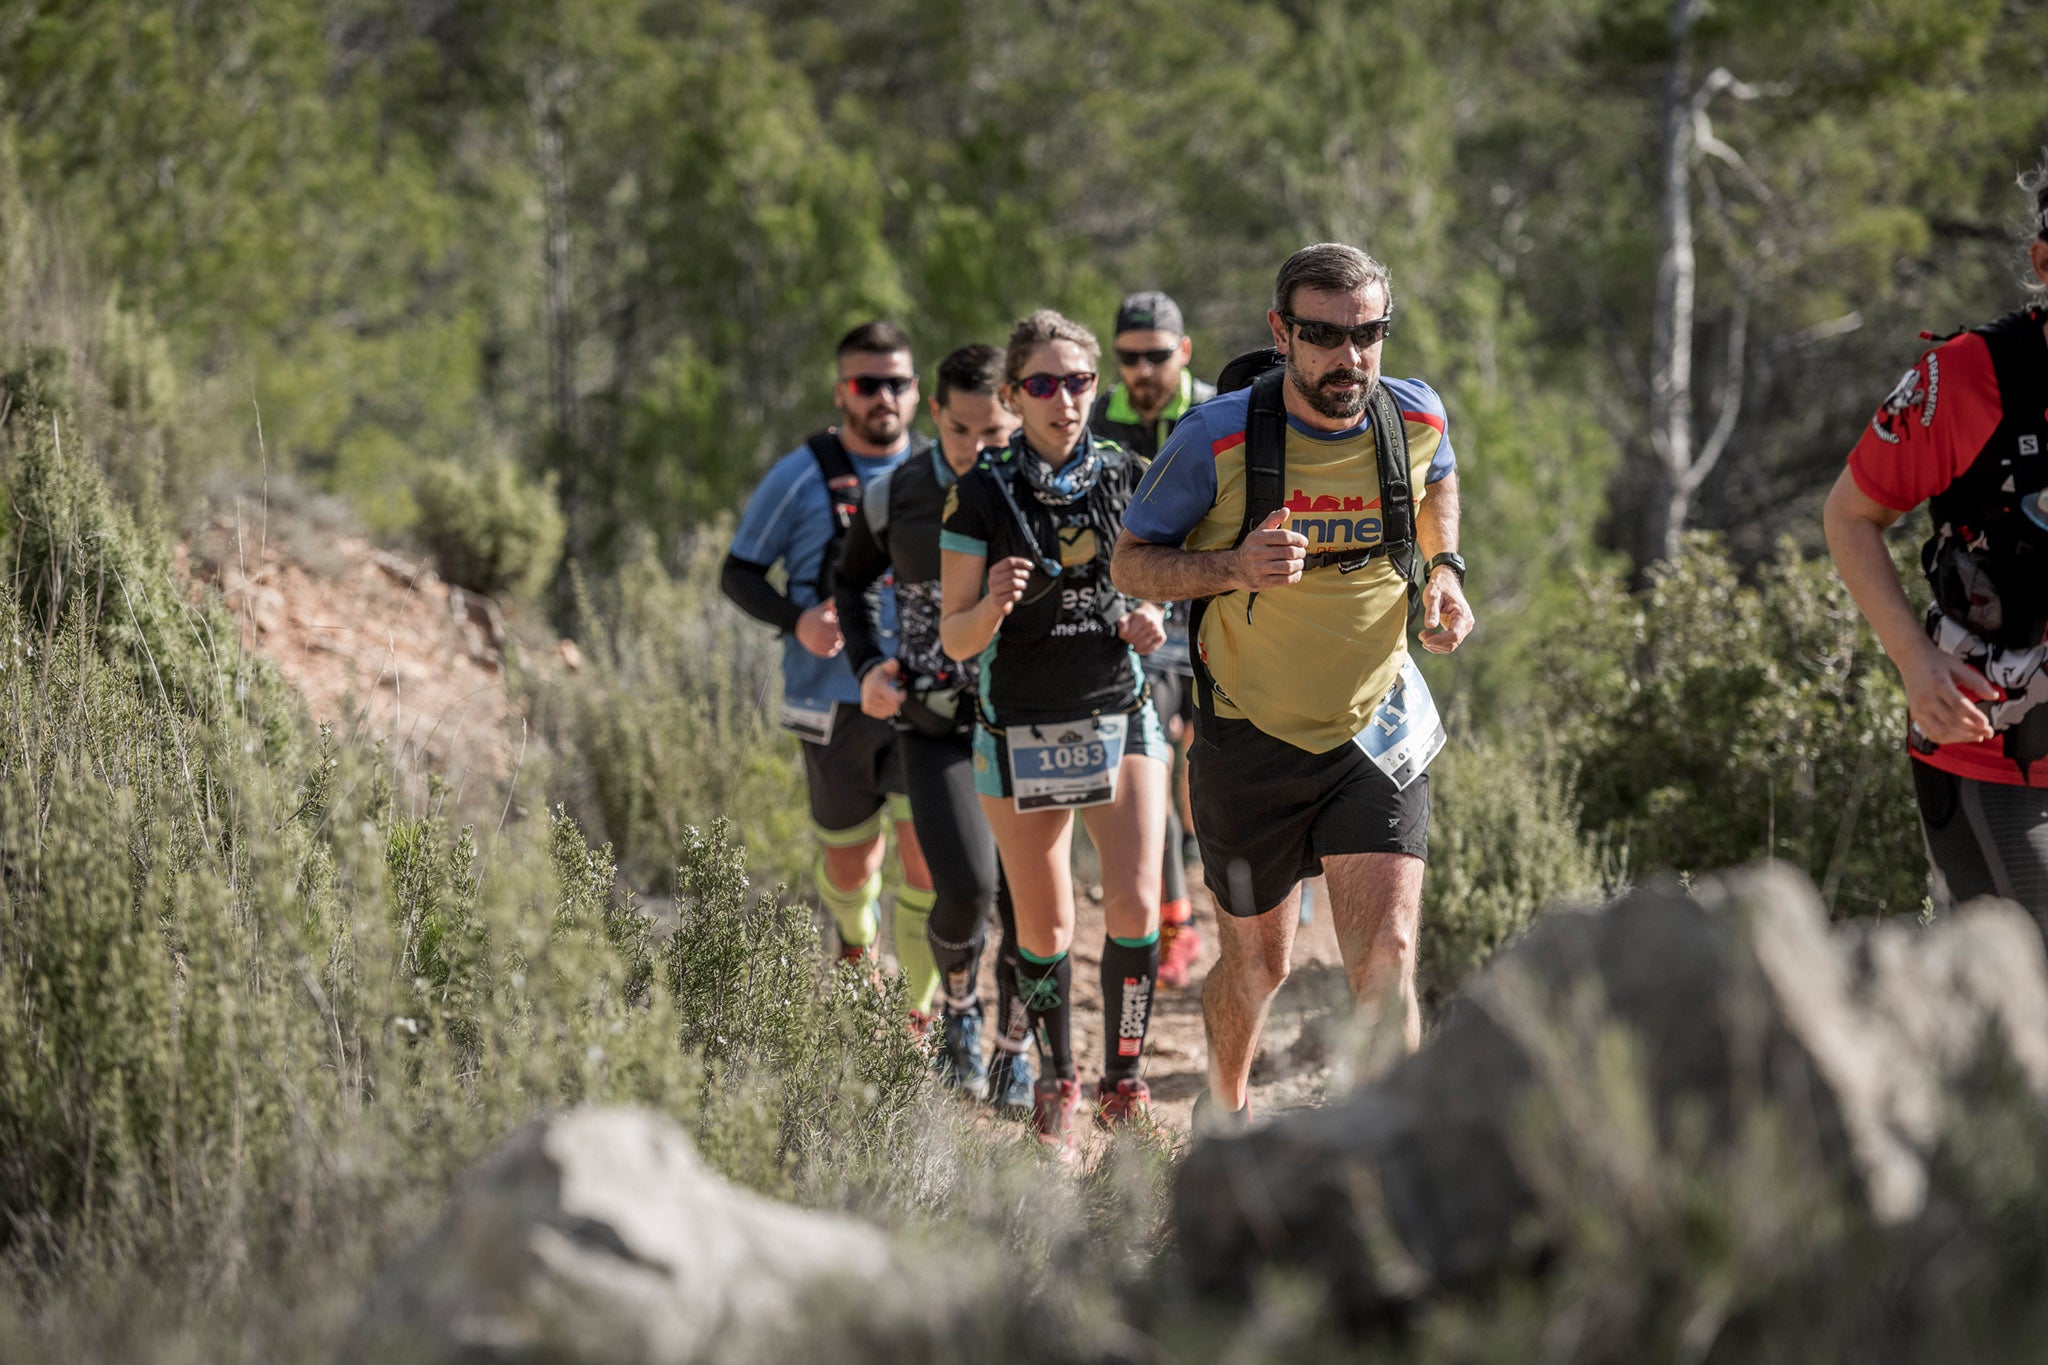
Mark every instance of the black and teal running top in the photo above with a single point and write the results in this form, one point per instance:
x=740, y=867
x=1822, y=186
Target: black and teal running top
x=1057, y=655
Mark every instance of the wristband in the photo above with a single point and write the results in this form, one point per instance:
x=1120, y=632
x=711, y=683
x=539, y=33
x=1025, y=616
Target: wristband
x=1449, y=559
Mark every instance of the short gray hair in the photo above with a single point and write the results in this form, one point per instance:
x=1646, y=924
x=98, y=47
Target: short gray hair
x=2035, y=183
x=1330, y=266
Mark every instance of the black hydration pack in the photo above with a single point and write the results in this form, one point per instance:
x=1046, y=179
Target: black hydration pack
x=1265, y=485
x=842, y=486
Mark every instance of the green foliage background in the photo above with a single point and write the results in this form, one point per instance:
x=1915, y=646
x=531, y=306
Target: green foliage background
x=547, y=286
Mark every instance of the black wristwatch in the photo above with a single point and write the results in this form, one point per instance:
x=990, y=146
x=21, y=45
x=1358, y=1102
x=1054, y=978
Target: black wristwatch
x=1453, y=559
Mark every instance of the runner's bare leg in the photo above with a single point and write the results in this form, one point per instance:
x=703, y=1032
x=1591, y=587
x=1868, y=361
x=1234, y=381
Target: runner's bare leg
x=1254, y=957
x=1128, y=835
x=1376, y=906
x=1036, y=849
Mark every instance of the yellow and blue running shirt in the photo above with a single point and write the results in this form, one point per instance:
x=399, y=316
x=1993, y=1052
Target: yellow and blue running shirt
x=1310, y=661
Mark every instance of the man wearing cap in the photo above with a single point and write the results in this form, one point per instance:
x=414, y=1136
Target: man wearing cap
x=1154, y=389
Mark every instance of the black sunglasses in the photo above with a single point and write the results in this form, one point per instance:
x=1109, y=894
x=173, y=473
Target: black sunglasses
x=868, y=385
x=1328, y=336
x=1046, y=385
x=1130, y=359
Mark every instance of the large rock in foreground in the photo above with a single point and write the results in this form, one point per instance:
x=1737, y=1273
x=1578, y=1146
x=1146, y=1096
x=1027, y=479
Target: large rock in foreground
x=601, y=1236
x=1732, y=1003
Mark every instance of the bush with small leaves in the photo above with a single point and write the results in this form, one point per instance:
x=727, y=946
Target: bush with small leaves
x=489, y=527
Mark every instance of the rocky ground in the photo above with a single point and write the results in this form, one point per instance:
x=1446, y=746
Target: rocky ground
x=379, y=645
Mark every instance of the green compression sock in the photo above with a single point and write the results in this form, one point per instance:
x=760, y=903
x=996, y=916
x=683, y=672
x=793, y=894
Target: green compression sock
x=913, y=949
x=856, y=912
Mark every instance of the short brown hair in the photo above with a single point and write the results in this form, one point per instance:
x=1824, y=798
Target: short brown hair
x=1329, y=266
x=1036, y=330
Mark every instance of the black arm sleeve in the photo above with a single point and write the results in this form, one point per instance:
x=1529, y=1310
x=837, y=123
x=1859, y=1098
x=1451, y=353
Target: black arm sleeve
x=746, y=583
x=862, y=560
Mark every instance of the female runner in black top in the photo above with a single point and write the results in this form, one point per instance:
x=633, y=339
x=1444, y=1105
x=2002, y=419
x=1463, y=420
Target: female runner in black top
x=1064, y=722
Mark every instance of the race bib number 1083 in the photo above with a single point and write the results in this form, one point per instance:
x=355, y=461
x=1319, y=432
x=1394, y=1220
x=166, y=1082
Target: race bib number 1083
x=1068, y=764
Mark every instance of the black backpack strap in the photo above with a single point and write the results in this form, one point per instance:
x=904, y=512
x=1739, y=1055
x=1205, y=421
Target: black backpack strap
x=1397, y=498
x=835, y=467
x=842, y=487
x=1265, y=452
x=1265, y=489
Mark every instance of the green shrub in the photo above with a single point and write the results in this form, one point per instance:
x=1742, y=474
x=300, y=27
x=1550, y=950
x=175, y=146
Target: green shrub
x=257, y=1007
x=1504, y=845
x=671, y=722
x=489, y=528
x=1712, y=722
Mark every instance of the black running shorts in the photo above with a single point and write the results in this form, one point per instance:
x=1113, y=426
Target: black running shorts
x=1173, y=694
x=1984, y=839
x=1267, y=813
x=853, y=775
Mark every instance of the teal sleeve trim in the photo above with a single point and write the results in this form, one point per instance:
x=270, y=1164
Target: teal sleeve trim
x=964, y=545
x=1145, y=942
x=1034, y=958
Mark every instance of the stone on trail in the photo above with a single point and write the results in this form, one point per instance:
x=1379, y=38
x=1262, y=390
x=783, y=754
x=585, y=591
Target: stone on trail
x=1736, y=1002
x=601, y=1236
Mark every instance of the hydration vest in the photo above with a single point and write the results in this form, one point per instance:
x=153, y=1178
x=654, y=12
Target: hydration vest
x=1986, y=561
x=1265, y=487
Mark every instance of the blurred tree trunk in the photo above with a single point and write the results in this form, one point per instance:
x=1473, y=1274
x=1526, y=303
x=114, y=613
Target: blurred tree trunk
x=1683, y=460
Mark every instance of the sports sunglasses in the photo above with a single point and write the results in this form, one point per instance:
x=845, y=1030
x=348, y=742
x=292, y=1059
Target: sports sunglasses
x=1046, y=385
x=868, y=385
x=1328, y=336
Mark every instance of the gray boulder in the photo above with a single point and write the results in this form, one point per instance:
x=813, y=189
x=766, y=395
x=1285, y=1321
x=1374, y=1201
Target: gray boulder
x=1699, y=1012
x=600, y=1236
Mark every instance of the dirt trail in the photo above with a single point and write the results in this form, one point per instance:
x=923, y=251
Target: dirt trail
x=383, y=648
x=1293, y=1065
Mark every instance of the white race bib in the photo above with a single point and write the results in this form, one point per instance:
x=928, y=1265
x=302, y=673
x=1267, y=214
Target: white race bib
x=1406, y=732
x=809, y=723
x=1066, y=764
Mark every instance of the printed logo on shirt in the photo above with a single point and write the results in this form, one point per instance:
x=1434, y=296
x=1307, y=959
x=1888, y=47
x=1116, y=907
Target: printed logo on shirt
x=2030, y=445
x=1326, y=532
x=1909, y=395
x=1077, y=546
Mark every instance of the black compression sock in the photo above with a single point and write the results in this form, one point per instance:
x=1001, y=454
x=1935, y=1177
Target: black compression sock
x=1046, y=989
x=1173, y=872
x=1130, y=967
x=1013, y=1025
x=959, y=967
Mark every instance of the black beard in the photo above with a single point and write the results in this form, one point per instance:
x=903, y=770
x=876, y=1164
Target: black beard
x=865, y=428
x=1330, y=405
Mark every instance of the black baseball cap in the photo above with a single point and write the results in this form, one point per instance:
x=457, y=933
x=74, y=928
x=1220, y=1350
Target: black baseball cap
x=1148, y=310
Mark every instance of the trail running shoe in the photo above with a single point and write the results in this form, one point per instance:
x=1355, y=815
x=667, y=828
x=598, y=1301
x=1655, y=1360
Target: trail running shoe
x=960, y=1061
x=1053, y=1104
x=1012, y=1081
x=921, y=1023
x=1180, y=948
x=1130, y=1098
x=1211, y=1119
x=854, y=952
